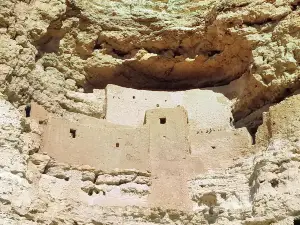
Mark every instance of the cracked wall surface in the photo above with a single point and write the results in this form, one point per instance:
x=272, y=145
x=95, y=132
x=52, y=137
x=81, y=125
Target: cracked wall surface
x=63, y=55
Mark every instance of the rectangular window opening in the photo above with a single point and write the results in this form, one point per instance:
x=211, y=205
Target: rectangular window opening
x=73, y=133
x=117, y=145
x=163, y=120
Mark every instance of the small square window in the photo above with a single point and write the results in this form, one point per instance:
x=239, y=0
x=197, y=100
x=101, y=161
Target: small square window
x=117, y=145
x=163, y=120
x=73, y=133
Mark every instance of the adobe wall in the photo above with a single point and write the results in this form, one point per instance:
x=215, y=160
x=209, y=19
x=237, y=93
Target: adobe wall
x=160, y=146
x=168, y=133
x=104, y=148
x=206, y=109
x=166, y=144
x=210, y=148
x=37, y=112
x=219, y=148
x=171, y=164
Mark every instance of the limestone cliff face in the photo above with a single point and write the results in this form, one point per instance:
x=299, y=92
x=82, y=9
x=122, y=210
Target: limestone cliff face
x=63, y=53
x=63, y=48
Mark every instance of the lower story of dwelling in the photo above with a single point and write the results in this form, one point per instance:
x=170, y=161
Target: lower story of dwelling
x=165, y=135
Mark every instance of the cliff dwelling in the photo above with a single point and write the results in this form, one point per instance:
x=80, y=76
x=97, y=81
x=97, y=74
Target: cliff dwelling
x=149, y=112
x=163, y=133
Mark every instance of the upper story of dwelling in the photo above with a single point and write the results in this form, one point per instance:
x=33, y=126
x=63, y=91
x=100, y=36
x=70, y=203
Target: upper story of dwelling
x=206, y=109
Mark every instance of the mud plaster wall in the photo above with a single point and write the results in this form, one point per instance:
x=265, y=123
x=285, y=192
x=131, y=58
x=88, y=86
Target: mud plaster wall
x=126, y=106
x=38, y=112
x=97, y=140
x=160, y=146
x=101, y=147
x=169, y=150
x=219, y=148
x=164, y=145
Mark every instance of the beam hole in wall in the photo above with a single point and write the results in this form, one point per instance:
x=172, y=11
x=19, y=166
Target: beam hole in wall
x=117, y=145
x=133, y=97
x=157, y=105
x=163, y=120
x=296, y=221
x=73, y=133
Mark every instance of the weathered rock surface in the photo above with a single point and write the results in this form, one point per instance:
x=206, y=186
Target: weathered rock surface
x=51, y=49
x=62, y=54
x=261, y=189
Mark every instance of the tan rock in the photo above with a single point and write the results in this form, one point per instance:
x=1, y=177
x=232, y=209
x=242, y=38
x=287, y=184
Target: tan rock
x=106, y=142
